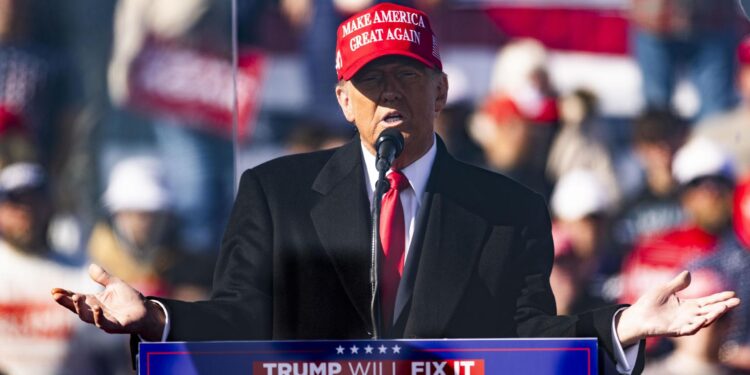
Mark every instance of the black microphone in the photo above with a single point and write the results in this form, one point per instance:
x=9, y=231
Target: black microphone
x=389, y=145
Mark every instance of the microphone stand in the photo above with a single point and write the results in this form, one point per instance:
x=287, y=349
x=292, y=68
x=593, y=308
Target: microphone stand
x=380, y=186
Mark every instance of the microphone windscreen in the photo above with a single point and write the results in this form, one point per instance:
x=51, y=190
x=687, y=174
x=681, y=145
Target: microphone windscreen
x=389, y=145
x=391, y=135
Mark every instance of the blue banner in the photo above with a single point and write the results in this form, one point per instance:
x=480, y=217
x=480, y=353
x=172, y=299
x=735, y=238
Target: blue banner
x=372, y=357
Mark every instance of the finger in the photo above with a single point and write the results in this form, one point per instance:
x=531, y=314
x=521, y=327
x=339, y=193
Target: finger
x=98, y=316
x=733, y=302
x=715, y=313
x=76, y=305
x=679, y=283
x=81, y=309
x=64, y=299
x=103, y=320
x=716, y=310
x=714, y=298
x=692, y=327
x=99, y=275
x=729, y=304
x=719, y=307
x=61, y=291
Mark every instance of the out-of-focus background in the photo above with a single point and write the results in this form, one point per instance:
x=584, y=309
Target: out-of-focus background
x=121, y=142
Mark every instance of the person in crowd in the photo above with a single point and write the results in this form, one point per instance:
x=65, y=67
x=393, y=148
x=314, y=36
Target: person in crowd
x=581, y=205
x=694, y=36
x=657, y=135
x=34, y=337
x=731, y=130
x=137, y=242
x=515, y=143
x=732, y=260
x=706, y=180
x=706, y=175
x=517, y=122
x=580, y=143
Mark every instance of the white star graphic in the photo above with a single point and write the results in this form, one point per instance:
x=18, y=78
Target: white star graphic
x=382, y=349
x=340, y=350
x=368, y=349
x=396, y=349
x=354, y=349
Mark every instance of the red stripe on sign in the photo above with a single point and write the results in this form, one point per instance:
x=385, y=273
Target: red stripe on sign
x=589, y=30
x=35, y=320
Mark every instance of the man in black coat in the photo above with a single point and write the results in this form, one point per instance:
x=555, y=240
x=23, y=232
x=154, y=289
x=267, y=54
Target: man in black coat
x=295, y=259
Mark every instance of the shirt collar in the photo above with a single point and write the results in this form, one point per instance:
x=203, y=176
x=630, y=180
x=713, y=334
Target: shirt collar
x=417, y=172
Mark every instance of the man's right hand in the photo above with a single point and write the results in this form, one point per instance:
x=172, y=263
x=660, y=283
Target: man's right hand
x=118, y=308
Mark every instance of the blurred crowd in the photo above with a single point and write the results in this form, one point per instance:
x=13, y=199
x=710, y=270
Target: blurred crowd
x=121, y=138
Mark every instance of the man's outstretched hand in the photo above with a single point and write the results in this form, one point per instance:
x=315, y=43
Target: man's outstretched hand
x=117, y=309
x=660, y=312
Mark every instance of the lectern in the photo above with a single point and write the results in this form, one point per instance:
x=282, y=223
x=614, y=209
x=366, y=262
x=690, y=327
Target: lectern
x=372, y=357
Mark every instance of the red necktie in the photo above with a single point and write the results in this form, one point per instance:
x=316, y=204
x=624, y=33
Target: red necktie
x=393, y=238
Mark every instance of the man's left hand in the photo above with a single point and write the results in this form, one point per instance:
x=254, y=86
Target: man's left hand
x=660, y=312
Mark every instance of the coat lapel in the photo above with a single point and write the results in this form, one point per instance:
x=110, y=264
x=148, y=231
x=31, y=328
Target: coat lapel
x=453, y=238
x=341, y=220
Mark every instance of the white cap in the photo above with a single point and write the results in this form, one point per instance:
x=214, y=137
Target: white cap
x=137, y=184
x=21, y=176
x=579, y=193
x=515, y=63
x=701, y=157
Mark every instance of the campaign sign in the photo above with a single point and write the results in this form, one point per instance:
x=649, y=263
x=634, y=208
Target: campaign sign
x=372, y=357
x=195, y=86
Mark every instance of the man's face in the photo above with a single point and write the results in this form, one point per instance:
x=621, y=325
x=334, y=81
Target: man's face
x=709, y=205
x=23, y=220
x=143, y=229
x=395, y=92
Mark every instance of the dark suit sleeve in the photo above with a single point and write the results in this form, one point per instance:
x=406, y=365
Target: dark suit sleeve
x=240, y=305
x=535, y=306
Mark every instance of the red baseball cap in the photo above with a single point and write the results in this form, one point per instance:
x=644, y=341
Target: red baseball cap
x=384, y=29
x=743, y=51
x=503, y=108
